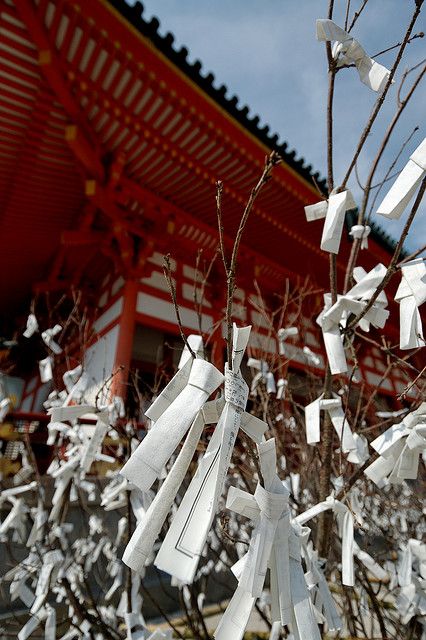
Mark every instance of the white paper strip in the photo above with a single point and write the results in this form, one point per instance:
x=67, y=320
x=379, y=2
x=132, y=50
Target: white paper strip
x=411, y=294
x=349, y=51
x=334, y=213
x=361, y=232
x=32, y=326
x=47, y=337
x=406, y=184
x=146, y=463
x=180, y=552
x=353, y=302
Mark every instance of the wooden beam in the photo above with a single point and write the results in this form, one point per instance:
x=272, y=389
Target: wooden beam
x=51, y=68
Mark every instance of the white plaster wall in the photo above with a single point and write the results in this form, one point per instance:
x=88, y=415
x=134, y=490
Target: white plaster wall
x=108, y=316
x=99, y=361
x=162, y=310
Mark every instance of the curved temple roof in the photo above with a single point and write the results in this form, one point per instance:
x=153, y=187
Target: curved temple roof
x=110, y=147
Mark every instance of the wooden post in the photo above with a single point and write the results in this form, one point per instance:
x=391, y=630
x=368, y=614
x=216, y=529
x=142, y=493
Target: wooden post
x=123, y=355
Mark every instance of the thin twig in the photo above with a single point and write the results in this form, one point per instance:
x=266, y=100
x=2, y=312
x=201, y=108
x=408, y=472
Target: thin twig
x=270, y=162
x=167, y=269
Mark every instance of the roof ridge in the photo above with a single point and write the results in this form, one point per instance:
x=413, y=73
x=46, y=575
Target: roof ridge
x=179, y=57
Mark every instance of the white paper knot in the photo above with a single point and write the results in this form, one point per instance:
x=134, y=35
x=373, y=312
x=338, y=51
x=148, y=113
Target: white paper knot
x=184, y=543
x=283, y=334
x=411, y=294
x=32, y=326
x=400, y=448
x=47, y=337
x=361, y=232
x=346, y=532
x=404, y=187
x=349, y=442
x=264, y=375
x=333, y=211
x=348, y=51
x=353, y=302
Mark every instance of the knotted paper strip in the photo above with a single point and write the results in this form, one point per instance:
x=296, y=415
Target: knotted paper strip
x=283, y=334
x=353, y=302
x=348, y=51
x=276, y=542
x=267, y=508
x=264, y=375
x=333, y=406
x=361, y=232
x=400, y=448
x=346, y=531
x=32, y=326
x=141, y=544
x=404, y=187
x=334, y=213
x=47, y=337
x=182, y=547
x=146, y=463
x=411, y=294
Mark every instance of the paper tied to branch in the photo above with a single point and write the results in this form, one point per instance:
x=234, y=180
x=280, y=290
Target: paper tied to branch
x=263, y=375
x=47, y=337
x=347, y=51
x=32, y=326
x=411, y=294
x=141, y=544
x=45, y=368
x=269, y=510
x=278, y=543
x=361, y=232
x=350, y=443
x=93, y=445
x=346, y=532
x=404, y=187
x=333, y=211
x=353, y=302
x=283, y=334
x=196, y=343
x=182, y=547
x=146, y=463
x=399, y=449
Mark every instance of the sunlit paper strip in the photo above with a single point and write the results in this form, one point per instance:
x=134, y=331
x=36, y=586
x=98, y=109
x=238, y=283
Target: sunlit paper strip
x=32, y=326
x=349, y=51
x=182, y=547
x=334, y=213
x=410, y=294
x=90, y=450
x=267, y=508
x=353, y=302
x=264, y=375
x=346, y=530
x=340, y=423
x=141, y=544
x=400, y=448
x=361, y=232
x=404, y=187
x=47, y=337
x=146, y=463
x=283, y=334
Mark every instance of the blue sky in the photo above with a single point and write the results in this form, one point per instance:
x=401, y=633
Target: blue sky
x=266, y=52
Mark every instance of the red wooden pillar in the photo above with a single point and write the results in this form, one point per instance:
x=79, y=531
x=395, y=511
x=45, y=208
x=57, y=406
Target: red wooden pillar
x=123, y=354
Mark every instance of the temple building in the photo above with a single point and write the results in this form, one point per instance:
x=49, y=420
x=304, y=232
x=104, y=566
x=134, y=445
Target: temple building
x=111, y=144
